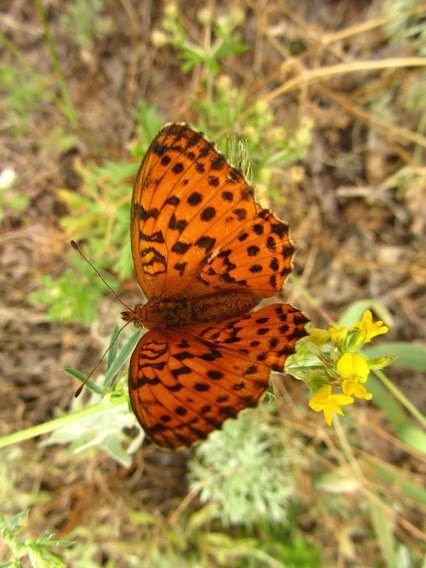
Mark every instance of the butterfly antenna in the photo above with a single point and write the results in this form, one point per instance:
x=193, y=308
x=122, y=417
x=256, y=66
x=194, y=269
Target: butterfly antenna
x=77, y=249
x=81, y=387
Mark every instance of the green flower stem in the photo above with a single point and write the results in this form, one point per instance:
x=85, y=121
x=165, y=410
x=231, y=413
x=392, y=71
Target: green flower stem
x=57, y=423
x=402, y=399
x=310, y=299
x=301, y=368
x=9, y=45
x=68, y=107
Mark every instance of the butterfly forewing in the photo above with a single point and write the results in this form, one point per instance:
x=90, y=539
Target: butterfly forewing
x=188, y=204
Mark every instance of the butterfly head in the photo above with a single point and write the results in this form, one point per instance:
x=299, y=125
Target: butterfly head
x=135, y=315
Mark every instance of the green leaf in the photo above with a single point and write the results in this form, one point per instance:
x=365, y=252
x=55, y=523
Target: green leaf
x=112, y=349
x=383, y=524
x=355, y=311
x=121, y=359
x=15, y=521
x=409, y=355
x=82, y=377
x=407, y=432
x=413, y=436
x=71, y=298
x=104, y=429
x=389, y=475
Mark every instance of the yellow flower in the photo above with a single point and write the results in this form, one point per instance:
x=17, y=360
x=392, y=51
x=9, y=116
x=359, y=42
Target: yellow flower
x=357, y=389
x=338, y=336
x=353, y=366
x=318, y=336
x=355, y=370
x=368, y=329
x=323, y=400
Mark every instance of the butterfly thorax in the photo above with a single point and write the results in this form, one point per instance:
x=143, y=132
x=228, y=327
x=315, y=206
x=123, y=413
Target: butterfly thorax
x=176, y=312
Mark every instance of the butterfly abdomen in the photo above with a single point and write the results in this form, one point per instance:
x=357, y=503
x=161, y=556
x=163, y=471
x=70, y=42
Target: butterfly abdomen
x=221, y=306
x=171, y=312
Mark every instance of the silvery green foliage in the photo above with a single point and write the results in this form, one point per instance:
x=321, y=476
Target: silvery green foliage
x=244, y=472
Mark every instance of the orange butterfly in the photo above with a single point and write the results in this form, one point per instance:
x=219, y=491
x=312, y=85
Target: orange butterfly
x=205, y=254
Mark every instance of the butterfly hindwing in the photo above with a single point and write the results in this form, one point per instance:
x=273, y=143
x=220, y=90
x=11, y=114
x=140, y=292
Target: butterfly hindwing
x=182, y=386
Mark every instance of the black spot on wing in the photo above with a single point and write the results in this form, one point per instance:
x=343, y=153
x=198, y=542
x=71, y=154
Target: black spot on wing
x=253, y=250
x=206, y=243
x=271, y=244
x=208, y=213
x=243, y=237
x=181, y=371
x=180, y=247
x=213, y=181
x=235, y=176
x=145, y=214
x=215, y=375
x=173, y=200
x=156, y=237
x=178, y=168
x=180, y=267
x=218, y=162
x=195, y=198
x=240, y=213
x=176, y=225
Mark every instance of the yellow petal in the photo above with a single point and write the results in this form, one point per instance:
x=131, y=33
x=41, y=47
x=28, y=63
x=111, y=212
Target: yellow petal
x=321, y=397
x=353, y=366
x=338, y=410
x=338, y=336
x=328, y=415
x=359, y=391
x=318, y=336
x=368, y=329
x=348, y=386
x=342, y=399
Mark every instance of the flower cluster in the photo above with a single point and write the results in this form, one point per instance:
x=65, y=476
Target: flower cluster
x=341, y=365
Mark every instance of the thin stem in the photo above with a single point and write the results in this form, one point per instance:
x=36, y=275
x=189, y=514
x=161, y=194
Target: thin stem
x=310, y=298
x=15, y=52
x=402, y=399
x=68, y=108
x=57, y=423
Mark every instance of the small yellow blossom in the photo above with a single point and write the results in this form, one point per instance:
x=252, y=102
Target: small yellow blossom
x=353, y=366
x=278, y=134
x=323, y=400
x=368, y=329
x=205, y=16
x=297, y=173
x=355, y=370
x=318, y=336
x=171, y=9
x=224, y=82
x=338, y=336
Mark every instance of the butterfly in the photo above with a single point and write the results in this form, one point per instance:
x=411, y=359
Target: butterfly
x=205, y=254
